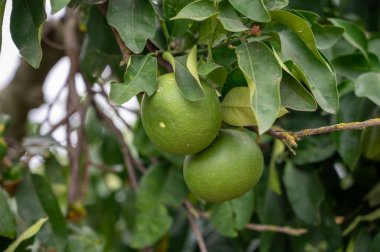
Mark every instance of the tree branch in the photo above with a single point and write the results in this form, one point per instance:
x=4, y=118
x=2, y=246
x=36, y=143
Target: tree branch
x=119, y=135
x=290, y=138
x=277, y=229
x=252, y=226
x=191, y=215
x=123, y=48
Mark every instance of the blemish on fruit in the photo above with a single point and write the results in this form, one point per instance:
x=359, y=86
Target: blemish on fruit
x=162, y=125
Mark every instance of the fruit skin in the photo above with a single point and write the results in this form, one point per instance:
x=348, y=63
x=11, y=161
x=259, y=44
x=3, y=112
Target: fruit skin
x=177, y=125
x=228, y=168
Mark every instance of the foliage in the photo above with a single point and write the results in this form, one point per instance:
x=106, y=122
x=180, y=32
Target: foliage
x=276, y=65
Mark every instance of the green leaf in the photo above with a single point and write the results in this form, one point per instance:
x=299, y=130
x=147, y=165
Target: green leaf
x=85, y=239
x=188, y=84
x=197, y=10
x=276, y=4
x=134, y=20
x=349, y=143
x=30, y=232
x=57, y=5
x=263, y=74
x=230, y=217
x=27, y=19
x=171, y=8
x=374, y=47
x=150, y=225
x=314, y=149
x=353, y=34
x=237, y=108
x=351, y=66
x=374, y=215
x=99, y=47
x=375, y=245
x=368, y=85
x=360, y=241
x=316, y=73
x=252, y=9
x=230, y=19
x=300, y=27
x=2, y=8
x=326, y=35
x=7, y=220
x=325, y=237
x=305, y=193
x=274, y=180
x=212, y=73
x=162, y=184
x=50, y=205
x=294, y=95
x=140, y=76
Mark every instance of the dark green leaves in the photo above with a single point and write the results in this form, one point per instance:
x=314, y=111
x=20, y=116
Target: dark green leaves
x=7, y=220
x=26, y=27
x=294, y=95
x=368, y=85
x=305, y=193
x=315, y=72
x=198, y=11
x=141, y=76
x=231, y=216
x=134, y=20
x=263, y=75
x=161, y=186
x=230, y=19
x=353, y=34
x=99, y=47
x=252, y=9
x=186, y=74
x=50, y=204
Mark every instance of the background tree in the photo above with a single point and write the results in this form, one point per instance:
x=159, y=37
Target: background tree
x=303, y=76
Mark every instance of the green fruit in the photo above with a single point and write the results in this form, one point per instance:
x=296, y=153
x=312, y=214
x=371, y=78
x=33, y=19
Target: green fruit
x=228, y=168
x=177, y=125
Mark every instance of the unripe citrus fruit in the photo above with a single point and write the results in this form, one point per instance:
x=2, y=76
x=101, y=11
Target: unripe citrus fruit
x=177, y=125
x=228, y=168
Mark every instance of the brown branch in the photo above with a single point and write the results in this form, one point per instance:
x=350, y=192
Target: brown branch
x=290, y=138
x=337, y=127
x=277, y=229
x=192, y=216
x=119, y=135
x=123, y=48
x=152, y=48
x=252, y=226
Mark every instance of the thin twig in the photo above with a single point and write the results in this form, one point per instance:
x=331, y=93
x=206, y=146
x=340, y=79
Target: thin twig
x=252, y=226
x=277, y=229
x=337, y=127
x=193, y=222
x=290, y=138
x=152, y=48
x=119, y=135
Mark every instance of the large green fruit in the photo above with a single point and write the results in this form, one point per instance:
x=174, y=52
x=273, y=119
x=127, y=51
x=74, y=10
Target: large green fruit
x=228, y=168
x=177, y=125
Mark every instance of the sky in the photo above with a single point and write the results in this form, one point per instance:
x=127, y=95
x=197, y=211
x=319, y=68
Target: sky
x=55, y=80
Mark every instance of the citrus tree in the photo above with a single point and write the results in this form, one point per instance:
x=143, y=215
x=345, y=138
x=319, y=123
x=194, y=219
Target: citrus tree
x=256, y=128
